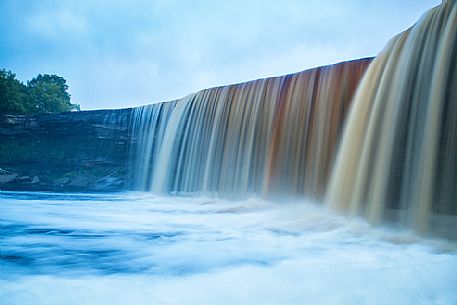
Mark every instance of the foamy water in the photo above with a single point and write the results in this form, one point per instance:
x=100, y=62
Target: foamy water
x=134, y=248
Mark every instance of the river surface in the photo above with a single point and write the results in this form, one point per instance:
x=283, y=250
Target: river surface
x=136, y=248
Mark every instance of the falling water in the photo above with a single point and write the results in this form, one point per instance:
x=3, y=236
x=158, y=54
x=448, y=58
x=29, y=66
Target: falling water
x=399, y=148
x=269, y=136
x=278, y=137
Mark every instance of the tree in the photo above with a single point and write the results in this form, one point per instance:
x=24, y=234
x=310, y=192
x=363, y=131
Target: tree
x=43, y=94
x=49, y=94
x=14, y=97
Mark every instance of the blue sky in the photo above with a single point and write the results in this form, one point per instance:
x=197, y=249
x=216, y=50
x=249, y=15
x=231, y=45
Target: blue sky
x=117, y=54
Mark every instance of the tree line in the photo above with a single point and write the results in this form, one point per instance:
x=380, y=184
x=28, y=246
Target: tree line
x=42, y=94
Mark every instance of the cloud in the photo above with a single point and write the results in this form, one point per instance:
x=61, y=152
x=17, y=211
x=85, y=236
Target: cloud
x=57, y=24
x=124, y=53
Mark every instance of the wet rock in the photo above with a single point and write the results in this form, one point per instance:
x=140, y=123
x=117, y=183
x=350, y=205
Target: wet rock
x=79, y=182
x=7, y=176
x=109, y=183
x=35, y=180
x=61, y=181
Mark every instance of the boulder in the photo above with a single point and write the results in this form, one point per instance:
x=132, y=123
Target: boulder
x=7, y=176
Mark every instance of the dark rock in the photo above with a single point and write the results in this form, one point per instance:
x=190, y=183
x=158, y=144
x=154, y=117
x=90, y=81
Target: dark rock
x=35, y=180
x=79, y=182
x=7, y=176
x=73, y=151
x=60, y=181
x=109, y=183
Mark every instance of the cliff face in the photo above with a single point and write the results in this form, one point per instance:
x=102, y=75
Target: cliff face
x=73, y=151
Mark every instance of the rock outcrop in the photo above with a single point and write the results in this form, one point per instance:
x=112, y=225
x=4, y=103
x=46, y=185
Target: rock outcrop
x=74, y=151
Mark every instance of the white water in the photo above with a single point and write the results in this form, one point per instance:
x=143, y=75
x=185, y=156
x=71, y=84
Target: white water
x=135, y=248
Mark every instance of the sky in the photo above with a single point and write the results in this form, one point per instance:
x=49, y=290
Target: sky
x=118, y=54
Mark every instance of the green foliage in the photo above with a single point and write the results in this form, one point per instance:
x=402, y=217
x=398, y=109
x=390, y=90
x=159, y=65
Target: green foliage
x=43, y=94
x=14, y=97
x=49, y=94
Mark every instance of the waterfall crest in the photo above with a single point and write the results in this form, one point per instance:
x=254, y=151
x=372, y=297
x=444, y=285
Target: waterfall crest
x=399, y=148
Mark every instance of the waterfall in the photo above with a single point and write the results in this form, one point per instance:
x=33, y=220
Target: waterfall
x=273, y=136
x=398, y=155
x=277, y=137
